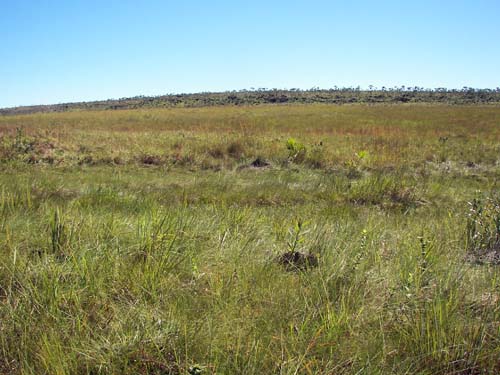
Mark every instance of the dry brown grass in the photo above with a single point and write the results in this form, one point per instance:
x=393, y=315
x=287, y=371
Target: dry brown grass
x=387, y=133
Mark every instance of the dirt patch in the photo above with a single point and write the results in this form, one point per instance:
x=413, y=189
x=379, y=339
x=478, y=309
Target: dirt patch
x=87, y=159
x=297, y=261
x=487, y=256
x=145, y=363
x=259, y=163
x=151, y=160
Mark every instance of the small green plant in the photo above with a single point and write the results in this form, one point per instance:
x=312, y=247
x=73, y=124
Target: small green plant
x=296, y=150
x=423, y=273
x=363, y=154
x=296, y=257
x=296, y=236
x=355, y=261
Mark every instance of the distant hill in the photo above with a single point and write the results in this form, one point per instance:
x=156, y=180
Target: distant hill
x=274, y=96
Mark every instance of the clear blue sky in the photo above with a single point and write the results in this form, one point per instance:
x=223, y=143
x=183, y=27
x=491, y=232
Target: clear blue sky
x=62, y=50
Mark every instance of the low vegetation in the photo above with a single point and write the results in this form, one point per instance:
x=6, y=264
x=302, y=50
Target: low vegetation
x=336, y=95
x=297, y=239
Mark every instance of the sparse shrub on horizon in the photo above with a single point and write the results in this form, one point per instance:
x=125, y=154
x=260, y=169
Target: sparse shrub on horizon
x=344, y=95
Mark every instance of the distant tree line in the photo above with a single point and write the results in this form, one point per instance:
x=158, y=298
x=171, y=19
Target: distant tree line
x=335, y=95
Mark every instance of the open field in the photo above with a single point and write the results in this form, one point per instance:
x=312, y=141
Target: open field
x=151, y=241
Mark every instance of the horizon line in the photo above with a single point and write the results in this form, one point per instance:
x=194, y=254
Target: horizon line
x=369, y=88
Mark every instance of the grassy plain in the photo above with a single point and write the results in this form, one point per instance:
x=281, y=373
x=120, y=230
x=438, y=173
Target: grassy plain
x=145, y=242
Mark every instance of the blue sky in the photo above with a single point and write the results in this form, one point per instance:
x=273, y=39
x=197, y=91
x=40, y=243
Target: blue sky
x=61, y=50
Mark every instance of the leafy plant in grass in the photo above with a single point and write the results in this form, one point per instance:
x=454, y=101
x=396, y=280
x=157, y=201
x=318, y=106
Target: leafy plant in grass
x=296, y=236
x=296, y=257
x=296, y=150
x=363, y=154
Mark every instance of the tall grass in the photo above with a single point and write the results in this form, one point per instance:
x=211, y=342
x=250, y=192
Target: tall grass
x=173, y=268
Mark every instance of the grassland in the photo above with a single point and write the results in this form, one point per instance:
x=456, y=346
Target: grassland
x=148, y=241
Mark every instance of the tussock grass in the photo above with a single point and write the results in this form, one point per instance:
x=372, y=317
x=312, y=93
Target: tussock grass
x=169, y=267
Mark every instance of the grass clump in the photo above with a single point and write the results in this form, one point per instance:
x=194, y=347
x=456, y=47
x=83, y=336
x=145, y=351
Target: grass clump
x=483, y=230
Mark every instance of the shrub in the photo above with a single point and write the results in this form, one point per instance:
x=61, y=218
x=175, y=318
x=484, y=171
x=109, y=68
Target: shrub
x=296, y=150
x=150, y=160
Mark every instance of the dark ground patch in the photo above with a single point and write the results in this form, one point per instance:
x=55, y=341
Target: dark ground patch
x=297, y=261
